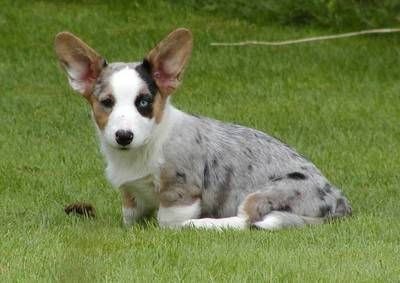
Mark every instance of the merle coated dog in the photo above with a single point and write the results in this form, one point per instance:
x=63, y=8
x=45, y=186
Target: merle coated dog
x=195, y=171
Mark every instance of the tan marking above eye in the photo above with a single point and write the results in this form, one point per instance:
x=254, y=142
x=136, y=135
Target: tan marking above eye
x=143, y=90
x=106, y=95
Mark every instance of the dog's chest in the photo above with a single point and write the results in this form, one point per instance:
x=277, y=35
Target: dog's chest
x=136, y=170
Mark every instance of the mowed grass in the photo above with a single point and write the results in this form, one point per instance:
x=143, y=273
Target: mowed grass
x=337, y=102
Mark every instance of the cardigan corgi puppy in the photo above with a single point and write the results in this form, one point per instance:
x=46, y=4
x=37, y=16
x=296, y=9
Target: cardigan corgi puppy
x=194, y=171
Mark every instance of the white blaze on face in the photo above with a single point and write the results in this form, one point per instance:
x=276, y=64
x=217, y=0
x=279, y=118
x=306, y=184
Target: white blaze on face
x=126, y=85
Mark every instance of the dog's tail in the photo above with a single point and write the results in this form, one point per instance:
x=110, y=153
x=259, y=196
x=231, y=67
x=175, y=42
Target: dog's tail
x=280, y=219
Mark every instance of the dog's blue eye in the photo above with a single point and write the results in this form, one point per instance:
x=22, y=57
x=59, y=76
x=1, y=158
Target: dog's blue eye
x=108, y=102
x=143, y=103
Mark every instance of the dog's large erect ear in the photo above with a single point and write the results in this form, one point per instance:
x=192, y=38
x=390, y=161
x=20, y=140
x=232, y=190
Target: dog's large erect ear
x=82, y=64
x=169, y=59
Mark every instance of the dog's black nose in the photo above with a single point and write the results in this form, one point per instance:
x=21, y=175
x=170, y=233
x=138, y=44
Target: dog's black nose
x=123, y=137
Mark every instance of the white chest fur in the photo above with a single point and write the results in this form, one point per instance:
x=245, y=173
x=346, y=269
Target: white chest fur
x=132, y=166
x=140, y=179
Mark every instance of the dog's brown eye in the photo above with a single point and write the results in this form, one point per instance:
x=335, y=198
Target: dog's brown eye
x=108, y=102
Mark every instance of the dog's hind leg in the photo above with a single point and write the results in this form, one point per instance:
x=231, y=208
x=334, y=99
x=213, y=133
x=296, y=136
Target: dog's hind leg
x=275, y=208
x=174, y=215
x=180, y=206
x=179, y=201
x=283, y=207
x=272, y=221
x=234, y=222
x=257, y=210
x=180, y=209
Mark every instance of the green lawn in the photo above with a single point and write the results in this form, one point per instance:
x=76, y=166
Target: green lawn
x=337, y=102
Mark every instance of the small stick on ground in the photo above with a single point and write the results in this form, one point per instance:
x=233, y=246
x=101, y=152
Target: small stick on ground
x=308, y=39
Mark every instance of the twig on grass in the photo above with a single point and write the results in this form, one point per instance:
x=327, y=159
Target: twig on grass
x=308, y=39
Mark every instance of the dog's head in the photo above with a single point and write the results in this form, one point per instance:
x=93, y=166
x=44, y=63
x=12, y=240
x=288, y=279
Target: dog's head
x=127, y=99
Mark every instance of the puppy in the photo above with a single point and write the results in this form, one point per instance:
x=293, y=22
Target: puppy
x=196, y=171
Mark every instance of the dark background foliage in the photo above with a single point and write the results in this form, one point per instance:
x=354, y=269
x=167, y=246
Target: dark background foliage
x=337, y=14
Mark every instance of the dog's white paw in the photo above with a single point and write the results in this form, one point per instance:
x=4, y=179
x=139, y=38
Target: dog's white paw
x=217, y=224
x=128, y=216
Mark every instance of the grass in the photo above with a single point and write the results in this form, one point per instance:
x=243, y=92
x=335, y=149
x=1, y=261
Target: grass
x=337, y=102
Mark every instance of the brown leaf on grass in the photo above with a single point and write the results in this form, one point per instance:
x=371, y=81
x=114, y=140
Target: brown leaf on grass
x=80, y=208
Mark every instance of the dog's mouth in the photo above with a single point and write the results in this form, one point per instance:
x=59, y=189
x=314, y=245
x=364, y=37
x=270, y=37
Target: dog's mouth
x=118, y=147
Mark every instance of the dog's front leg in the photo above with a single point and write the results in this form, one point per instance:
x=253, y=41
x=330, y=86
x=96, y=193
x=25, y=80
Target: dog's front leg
x=129, y=211
x=139, y=200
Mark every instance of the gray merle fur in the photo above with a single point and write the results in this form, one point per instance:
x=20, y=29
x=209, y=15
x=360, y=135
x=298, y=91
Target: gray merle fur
x=220, y=168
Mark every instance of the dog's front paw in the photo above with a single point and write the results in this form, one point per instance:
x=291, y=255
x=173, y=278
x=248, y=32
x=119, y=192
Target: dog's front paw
x=128, y=216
